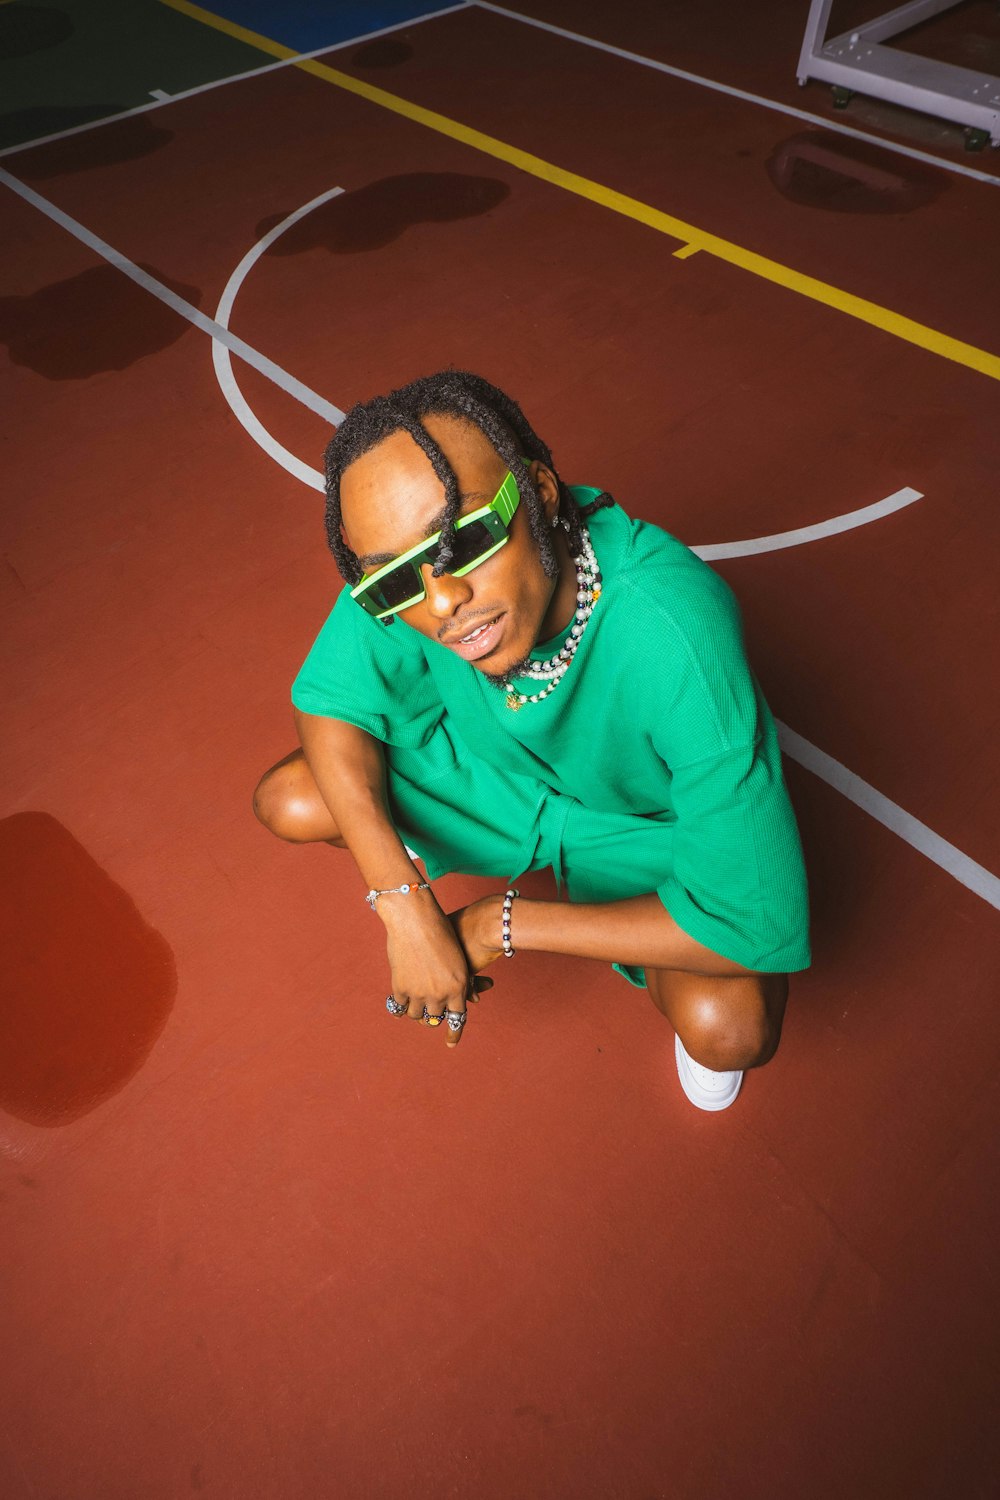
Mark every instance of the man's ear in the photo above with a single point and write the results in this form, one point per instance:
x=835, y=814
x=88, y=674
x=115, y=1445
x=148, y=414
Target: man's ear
x=548, y=489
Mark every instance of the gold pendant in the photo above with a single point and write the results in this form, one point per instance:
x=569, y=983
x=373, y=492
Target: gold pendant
x=513, y=701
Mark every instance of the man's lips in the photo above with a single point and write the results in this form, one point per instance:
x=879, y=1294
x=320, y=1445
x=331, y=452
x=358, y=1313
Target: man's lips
x=478, y=641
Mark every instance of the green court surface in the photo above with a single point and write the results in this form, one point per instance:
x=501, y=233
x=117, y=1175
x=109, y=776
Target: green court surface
x=62, y=65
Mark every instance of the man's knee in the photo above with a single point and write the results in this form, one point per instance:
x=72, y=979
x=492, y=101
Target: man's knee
x=284, y=808
x=720, y=1044
x=273, y=806
x=732, y=1024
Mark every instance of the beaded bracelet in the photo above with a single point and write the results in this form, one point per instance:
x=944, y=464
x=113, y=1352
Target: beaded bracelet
x=508, y=901
x=395, y=890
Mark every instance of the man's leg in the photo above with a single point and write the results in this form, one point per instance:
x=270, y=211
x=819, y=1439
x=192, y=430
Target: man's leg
x=724, y=1024
x=722, y=1027
x=287, y=801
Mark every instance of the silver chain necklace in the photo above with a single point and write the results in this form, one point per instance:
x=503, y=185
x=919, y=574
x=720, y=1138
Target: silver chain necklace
x=552, y=671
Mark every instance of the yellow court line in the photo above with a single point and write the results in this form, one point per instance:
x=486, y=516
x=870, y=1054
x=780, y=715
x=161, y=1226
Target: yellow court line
x=630, y=208
x=239, y=33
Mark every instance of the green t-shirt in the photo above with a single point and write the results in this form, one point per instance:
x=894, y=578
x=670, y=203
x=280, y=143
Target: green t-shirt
x=658, y=715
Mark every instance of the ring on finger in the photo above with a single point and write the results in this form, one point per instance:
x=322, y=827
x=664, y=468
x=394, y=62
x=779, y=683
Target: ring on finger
x=395, y=1007
x=456, y=1019
x=432, y=1020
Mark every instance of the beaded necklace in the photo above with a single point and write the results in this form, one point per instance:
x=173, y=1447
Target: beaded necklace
x=552, y=671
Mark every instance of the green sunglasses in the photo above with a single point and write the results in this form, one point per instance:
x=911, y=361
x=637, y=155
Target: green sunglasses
x=399, y=584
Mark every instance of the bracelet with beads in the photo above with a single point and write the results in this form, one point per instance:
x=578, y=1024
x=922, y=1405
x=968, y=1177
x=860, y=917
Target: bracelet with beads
x=396, y=890
x=508, y=901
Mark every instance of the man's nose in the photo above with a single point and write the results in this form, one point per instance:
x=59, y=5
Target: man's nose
x=445, y=595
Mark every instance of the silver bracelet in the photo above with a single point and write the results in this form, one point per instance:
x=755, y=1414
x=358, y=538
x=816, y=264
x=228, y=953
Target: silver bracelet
x=508, y=901
x=395, y=890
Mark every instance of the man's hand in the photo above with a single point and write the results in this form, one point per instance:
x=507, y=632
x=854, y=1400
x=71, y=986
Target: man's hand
x=477, y=928
x=430, y=973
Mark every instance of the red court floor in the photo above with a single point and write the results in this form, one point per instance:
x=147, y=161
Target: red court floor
x=260, y=1241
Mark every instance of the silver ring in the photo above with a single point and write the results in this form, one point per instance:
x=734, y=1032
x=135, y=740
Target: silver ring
x=456, y=1019
x=394, y=1007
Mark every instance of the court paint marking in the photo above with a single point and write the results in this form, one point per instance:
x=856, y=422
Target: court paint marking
x=187, y=310
x=248, y=419
x=907, y=329
x=286, y=61
x=223, y=363
x=959, y=866
x=890, y=814
x=160, y=94
x=747, y=98
x=801, y=534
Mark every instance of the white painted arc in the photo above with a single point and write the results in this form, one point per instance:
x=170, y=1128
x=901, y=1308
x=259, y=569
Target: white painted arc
x=194, y=315
x=710, y=552
x=910, y=829
x=654, y=63
x=950, y=859
x=959, y=866
x=228, y=383
x=715, y=551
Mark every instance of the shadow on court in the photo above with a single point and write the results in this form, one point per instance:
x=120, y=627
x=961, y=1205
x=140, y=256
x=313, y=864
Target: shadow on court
x=380, y=212
x=118, y=141
x=94, y=321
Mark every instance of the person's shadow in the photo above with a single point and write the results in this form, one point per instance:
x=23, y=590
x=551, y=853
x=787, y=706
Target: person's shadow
x=86, y=985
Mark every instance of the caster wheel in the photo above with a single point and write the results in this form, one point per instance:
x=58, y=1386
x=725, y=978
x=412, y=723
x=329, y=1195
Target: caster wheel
x=976, y=140
x=842, y=97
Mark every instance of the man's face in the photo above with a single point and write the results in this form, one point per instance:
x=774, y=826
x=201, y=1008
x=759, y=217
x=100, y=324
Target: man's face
x=391, y=499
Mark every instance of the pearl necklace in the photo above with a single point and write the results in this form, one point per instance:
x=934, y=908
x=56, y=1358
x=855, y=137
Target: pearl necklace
x=552, y=671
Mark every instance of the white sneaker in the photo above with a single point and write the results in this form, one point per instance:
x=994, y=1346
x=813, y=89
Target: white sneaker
x=704, y=1088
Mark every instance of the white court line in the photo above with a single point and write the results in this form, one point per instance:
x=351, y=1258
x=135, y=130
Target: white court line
x=847, y=522
x=218, y=83
x=963, y=869
x=735, y=93
x=160, y=94
x=956, y=864
x=187, y=310
x=238, y=404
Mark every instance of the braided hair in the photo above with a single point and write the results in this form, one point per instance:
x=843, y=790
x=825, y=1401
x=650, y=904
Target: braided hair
x=456, y=393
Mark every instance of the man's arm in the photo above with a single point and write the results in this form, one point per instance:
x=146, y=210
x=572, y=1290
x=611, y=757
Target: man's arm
x=638, y=930
x=427, y=964
x=735, y=881
x=348, y=766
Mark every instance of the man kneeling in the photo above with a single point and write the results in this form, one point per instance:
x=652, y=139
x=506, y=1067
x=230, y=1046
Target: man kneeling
x=518, y=675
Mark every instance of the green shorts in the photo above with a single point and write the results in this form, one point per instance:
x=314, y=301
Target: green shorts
x=460, y=814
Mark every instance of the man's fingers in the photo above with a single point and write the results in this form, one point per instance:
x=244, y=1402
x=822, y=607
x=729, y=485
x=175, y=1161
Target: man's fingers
x=440, y=1015
x=455, y=1018
x=432, y=1015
